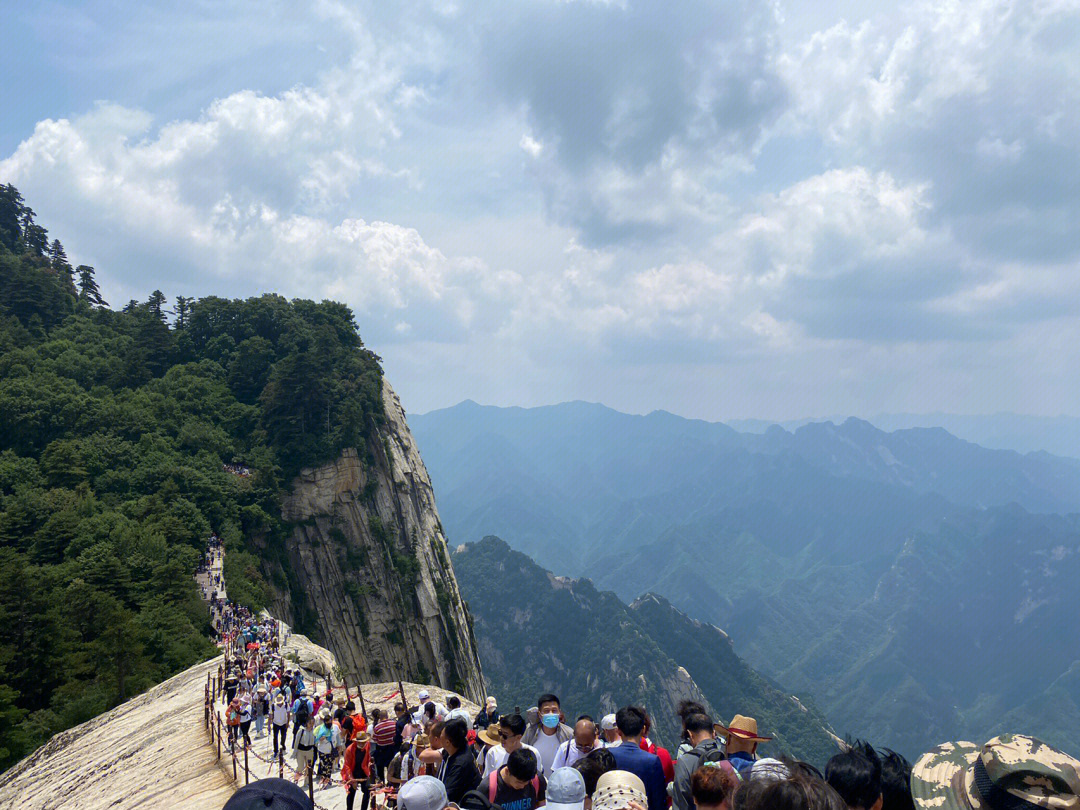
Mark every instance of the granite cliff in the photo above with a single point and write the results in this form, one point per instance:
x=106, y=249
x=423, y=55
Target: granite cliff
x=368, y=571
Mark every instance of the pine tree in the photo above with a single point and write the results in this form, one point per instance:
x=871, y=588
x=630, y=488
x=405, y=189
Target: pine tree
x=88, y=287
x=182, y=310
x=156, y=304
x=58, y=261
x=130, y=306
x=35, y=238
x=11, y=208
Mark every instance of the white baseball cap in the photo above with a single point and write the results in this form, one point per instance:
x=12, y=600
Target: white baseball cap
x=423, y=695
x=566, y=789
x=607, y=722
x=422, y=793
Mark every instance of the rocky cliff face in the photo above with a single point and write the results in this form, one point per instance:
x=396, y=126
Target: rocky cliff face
x=370, y=574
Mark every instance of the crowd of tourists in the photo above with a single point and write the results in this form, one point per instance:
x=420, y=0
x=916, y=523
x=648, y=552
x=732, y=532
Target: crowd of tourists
x=438, y=757
x=241, y=470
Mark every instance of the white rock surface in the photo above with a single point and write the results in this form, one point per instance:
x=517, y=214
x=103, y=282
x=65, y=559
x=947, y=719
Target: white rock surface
x=150, y=752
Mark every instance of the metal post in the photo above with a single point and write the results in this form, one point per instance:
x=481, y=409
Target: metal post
x=218, y=724
x=233, y=749
x=401, y=694
x=311, y=785
x=360, y=694
x=246, y=777
x=281, y=762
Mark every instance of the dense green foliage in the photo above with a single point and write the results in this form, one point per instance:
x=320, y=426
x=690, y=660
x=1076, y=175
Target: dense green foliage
x=537, y=633
x=114, y=428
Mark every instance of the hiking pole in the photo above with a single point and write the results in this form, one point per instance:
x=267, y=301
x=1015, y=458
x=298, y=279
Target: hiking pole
x=360, y=694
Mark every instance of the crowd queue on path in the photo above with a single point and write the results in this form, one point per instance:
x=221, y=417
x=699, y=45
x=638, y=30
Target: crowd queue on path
x=435, y=756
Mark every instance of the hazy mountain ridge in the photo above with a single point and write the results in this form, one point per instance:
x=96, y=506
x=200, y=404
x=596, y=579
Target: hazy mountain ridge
x=1002, y=431
x=819, y=551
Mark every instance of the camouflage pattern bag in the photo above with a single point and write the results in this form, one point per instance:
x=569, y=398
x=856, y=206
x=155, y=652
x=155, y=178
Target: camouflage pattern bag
x=1011, y=772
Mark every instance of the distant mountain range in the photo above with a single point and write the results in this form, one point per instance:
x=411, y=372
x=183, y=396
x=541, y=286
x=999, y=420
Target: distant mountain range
x=891, y=575
x=1001, y=431
x=538, y=633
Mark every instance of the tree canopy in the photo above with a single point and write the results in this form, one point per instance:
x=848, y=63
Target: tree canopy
x=114, y=429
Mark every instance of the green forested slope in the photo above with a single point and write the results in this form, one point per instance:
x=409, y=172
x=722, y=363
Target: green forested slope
x=114, y=426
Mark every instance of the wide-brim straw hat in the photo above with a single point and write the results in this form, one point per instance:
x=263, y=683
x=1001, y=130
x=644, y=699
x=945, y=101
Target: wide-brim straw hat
x=490, y=735
x=745, y=728
x=362, y=738
x=1009, y=772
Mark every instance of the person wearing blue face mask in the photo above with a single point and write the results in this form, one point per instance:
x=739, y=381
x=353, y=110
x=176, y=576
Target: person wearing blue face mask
x=547, y=735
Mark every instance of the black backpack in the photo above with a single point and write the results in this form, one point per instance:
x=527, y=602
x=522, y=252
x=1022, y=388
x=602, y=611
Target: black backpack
x=477, y=800
x=303, y=712
x=707, y=755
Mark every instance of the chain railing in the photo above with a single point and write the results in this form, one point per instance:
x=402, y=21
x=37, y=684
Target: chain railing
x=219, y=734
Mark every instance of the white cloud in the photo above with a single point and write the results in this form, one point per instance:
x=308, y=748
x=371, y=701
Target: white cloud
x=577, y=194
x=532, y=146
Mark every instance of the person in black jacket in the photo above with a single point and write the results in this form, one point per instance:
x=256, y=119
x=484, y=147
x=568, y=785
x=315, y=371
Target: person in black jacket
x=458, y=771
x=489, y=715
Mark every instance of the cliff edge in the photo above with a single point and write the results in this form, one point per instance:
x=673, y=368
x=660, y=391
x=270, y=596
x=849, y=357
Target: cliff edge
x=370, y=575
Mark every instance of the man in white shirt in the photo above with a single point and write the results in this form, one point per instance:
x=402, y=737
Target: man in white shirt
x=511, y=727
x=425, y=697
x=585, y=741
x=453, y=704
x=608, y=731
x=549, y=732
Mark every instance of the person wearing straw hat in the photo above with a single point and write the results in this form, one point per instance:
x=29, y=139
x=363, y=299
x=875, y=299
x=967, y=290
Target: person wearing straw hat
x=1010, y=772
x=411, y=764
x=742, y=742
x=279, y=721
x=356, y=770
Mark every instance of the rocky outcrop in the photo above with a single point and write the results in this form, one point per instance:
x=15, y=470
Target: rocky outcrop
x=151, y=752
x=370, y=573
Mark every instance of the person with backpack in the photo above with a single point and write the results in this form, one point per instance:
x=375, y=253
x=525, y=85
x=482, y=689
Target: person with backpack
x=232, y=720
x=517, y=785
x=704, y=749
x=302, y=711
x=279, y=722
x=304, y=747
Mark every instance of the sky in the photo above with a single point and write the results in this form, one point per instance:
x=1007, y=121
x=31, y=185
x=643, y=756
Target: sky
x=723, y=209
